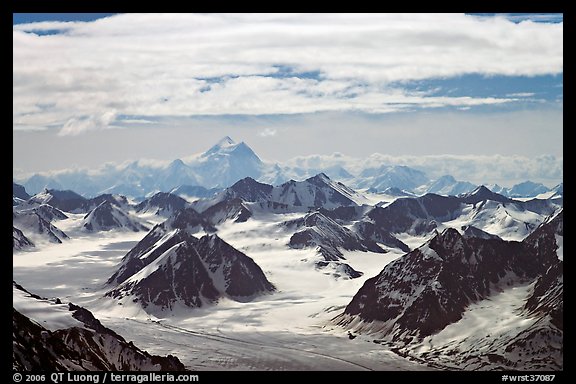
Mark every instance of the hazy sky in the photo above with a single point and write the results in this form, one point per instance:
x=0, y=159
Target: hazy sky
x=89, y=89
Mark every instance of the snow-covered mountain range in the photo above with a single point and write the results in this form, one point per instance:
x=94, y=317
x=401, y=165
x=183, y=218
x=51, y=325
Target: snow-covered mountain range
x=442, y=258
x=227, y=162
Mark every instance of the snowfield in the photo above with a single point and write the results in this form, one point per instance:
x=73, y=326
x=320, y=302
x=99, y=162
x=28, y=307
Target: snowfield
x=286, y=330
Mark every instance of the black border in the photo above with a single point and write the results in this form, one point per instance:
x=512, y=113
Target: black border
x=122, y=6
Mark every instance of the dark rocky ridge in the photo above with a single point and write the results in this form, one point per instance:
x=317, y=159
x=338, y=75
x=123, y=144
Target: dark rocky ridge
x=19, y=191
x=186, y=270
x=107, y=216
x=430, y=287
x=89, y=347
x=19, y=240
x=162, y=203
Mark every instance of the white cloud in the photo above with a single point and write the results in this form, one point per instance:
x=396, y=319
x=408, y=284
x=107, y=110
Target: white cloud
x=75, y=126
x=267, y=132
x=218, y=64
x=521, y=94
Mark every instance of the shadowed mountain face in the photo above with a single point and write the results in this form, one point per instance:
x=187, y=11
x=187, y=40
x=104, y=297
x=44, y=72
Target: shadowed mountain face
x=33, y=221
x=170, y=268
x=20, y=241
x=430, y=287
x=427, y=289
x=19, y=191
x=162, y=204
x=107, y=216
x=86, y=345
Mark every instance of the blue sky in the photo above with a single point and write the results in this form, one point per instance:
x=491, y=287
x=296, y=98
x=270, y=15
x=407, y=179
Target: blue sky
x=22, y=18
x=289, y=85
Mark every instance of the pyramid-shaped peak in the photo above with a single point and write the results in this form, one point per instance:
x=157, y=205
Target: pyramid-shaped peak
x=178, y=163
x=321, y=177
x=224, y=144
x=482, y=193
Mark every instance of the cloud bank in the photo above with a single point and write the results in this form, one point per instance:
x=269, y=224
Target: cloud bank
x=82, y=76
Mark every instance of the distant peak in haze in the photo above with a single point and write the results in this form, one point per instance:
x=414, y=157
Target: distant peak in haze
x=226, y=140
x=224, y=143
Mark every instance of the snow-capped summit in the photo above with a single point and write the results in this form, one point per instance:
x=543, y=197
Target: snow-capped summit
x=162, y=203
x=67, y=201
x=482, y=194
x=316, y=192
x=527, y=189
x=225, y=163
x=222, y=144
x=176, y=174
x=107, y=216
x=173, y=268
x=447, y=185
x=250, y=190
x=318, y=231
x=386, y=176
x=293, y=196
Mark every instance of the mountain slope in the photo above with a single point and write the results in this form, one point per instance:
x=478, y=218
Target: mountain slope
x=67, y=201
x=387, y=176
x=36, y=228
x=19, y=240
x=316, y=192
x=315, y=230
x=74, y=340
x=420, y=294
x=169, y=268
x=107, y=216
x=19, y=191
x=448, y=186
x=225, y=163
x=162, y=204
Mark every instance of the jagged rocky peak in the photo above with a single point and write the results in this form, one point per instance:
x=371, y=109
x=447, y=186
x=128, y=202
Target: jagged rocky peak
x=107, y=216
x=329, y=237
x=188, y=219
x=431, y=287
x=173, y=268
x=320, y=179
x=229, y=209
x=316, y=192
x=162, y=203
x=482, y=194
x=151, y=247
x=228, y=146
x=250, y=190
x=243, y=278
